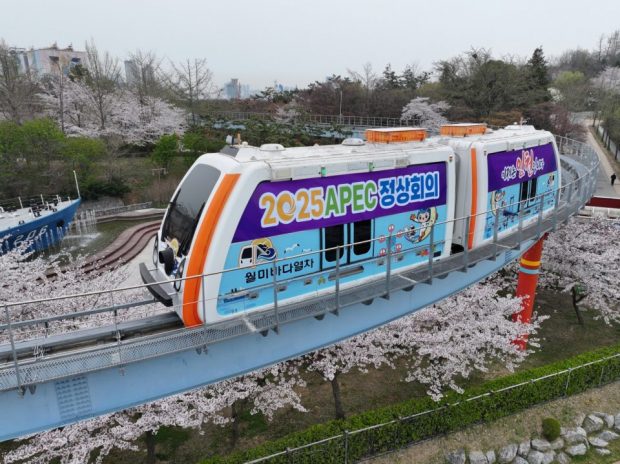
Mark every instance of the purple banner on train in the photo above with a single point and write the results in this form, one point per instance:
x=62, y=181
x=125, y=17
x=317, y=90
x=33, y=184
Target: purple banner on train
x=514, y=167
x=290, y=206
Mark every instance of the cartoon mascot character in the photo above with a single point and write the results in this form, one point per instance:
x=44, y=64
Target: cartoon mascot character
x=497, y=201
x=425, y=218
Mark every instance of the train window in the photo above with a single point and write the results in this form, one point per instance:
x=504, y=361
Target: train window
x=334, y=236
x=185, y=209
x=528, y=191
x=524, y=192
x=533, y=184
x=362, y=231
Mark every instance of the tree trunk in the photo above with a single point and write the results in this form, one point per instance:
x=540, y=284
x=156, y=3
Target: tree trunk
x=149, y=439
x=235, y=424
x=337, y=397
x=576, y=300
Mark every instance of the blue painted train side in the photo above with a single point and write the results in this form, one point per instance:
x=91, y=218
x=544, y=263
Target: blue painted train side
x=310, y=272
x=289, y=231
x=507, y=204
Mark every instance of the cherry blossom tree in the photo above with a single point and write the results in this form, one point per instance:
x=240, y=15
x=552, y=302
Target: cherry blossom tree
x=268, y=390
x=28, y=277
x=129, y=117
x=463, y=334
x=608, y=80
x=586, y=253
x=444, y=343
x=425, y=114
x=371, y=349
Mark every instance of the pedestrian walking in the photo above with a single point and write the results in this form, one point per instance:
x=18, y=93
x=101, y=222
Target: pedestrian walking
x=613, y=179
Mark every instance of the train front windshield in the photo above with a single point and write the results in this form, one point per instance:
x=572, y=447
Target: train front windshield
x=187, y=205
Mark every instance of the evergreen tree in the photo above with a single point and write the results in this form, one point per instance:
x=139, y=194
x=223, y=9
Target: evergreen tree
x=537, y=77
x=390, y=78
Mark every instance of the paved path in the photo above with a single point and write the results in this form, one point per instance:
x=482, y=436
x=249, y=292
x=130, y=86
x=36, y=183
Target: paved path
x=145, y=256
x=603, y=185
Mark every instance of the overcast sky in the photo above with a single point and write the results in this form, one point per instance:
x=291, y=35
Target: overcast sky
x=299, y=41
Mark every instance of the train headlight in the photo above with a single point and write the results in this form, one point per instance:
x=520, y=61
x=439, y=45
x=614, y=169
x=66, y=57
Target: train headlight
x=179, y=275
x=156, y=251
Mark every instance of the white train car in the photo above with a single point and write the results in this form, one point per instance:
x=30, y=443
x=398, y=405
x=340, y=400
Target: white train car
x=502, y=177
x=248, y=216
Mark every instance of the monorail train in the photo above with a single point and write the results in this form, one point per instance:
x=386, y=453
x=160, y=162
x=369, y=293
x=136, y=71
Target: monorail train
x=292, y=221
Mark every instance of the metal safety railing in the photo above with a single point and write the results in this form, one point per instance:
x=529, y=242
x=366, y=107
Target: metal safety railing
x=35, y=202
x=319, y=119
x=25, y=336
x=122, y=209
x=386, y=437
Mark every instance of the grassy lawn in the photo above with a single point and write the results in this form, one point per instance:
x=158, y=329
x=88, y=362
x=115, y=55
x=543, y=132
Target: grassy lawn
x=562, y=336
x=594, y=458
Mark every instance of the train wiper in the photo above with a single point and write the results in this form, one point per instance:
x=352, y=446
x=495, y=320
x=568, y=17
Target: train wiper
x=171, y=207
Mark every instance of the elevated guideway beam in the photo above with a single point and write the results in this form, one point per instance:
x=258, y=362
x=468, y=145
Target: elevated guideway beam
x=39, y=393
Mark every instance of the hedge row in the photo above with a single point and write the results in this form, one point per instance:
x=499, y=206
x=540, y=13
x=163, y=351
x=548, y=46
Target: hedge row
x=454, y=412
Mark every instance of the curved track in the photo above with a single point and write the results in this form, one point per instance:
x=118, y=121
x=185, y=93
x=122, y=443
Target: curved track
x=40, y=391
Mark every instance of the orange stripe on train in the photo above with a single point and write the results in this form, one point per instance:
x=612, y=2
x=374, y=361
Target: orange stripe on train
x=200, y=250
x=474, y=199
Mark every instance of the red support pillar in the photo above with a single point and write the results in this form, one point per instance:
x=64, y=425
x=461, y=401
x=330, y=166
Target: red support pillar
x=526, y=286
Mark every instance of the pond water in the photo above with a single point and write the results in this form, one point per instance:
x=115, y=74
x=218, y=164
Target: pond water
x=86, y=241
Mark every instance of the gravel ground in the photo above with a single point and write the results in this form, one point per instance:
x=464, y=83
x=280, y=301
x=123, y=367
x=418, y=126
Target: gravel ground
x=513, y=429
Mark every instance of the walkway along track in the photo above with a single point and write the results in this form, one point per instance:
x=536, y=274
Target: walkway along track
x=76, y=383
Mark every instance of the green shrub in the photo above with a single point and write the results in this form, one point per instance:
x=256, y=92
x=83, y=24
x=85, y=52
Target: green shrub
x=165, y=150
x=93, y=188
x=551, y=428
x=421, y=418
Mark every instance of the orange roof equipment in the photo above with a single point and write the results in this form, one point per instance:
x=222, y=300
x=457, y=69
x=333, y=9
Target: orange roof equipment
x=396, y=134
x=463, y=129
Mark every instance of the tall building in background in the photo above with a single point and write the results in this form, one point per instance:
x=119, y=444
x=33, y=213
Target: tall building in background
x=232, y=89
x=235, y=90
x=50, y=60
x=133, y=73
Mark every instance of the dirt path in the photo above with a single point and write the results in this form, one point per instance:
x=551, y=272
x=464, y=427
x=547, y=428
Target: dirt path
x=513, y=429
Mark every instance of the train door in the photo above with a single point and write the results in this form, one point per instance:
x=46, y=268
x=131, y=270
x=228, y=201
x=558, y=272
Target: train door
x=332, y=237
x=362, y=245
x=528, y=193
x=354, y=240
